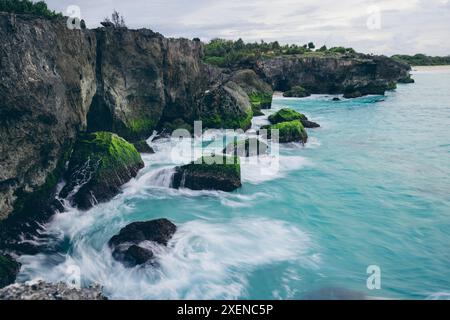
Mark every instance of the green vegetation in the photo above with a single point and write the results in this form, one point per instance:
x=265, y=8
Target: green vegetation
x=229, y=54
x=228, y=122
x=260, y=100
x=110, y=151
x=291, y=131
x=297, y=92
x=286, y=115
x=28, y=7
x=139, y=128
x=423, y=60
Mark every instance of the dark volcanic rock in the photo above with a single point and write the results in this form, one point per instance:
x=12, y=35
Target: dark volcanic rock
x=47, y=291
x=127, y=245
x=9, y=269
x=336, y=99
x=100, y=164
x=224, y=175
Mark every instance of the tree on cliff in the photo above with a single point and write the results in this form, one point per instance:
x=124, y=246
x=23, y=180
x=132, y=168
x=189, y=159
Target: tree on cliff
x=116, y=21
x=27, y=7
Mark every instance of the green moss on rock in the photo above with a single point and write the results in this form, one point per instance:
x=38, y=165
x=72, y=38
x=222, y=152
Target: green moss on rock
x=261, y=100
x=9, y=269
x=292, y=131
x=101, y=162
x=228, y=122
x=297, y=92
x=287, y=114
x=209, y=173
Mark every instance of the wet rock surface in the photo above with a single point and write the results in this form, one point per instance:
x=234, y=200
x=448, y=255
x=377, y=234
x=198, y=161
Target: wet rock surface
x=133, y=245
x=46, y=291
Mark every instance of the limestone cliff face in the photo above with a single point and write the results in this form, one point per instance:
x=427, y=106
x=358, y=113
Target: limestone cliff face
x=332, y=74
x=47, y=81
x=144, y=80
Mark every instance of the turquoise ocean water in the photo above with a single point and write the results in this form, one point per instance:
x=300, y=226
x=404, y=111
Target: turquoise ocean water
x=372, y=187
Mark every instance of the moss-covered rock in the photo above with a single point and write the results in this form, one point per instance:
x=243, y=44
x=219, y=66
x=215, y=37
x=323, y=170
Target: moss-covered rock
x=292, y=131
x=226, y=107
x=101, y=162
x=287, y=114
x=213, y=173
x=9, y=269
x=246, y=148
x=297, y=92
x=143, y=147
x=259, y=92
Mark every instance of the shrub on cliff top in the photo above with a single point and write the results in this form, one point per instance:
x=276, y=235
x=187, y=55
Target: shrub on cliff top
x=28, y=7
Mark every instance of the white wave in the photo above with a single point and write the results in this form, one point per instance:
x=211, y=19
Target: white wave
x=439, y=296
x=256, y=170
x=203, y=261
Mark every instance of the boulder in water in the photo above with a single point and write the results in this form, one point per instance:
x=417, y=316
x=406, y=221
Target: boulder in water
x=292, y=131
x=209, y=173
x=128, y=246
x=297, y=92
x=287, y=114
x=100, y=164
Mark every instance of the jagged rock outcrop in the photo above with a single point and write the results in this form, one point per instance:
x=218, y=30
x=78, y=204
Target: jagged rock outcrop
x=41, y=290
x=259, y=91
x=132, y=246
x=100, y=164
x=209, y=173
x=47, y=81
x=332, y=74
x=57, y=83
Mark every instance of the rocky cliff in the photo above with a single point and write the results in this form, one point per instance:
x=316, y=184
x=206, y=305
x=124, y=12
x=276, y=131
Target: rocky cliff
x=57, y=83
x=333, y=74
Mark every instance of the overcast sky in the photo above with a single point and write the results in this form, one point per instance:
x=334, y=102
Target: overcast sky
x=371, y=26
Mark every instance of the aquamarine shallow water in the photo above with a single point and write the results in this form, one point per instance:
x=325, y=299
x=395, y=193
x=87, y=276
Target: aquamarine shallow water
x=371, y=188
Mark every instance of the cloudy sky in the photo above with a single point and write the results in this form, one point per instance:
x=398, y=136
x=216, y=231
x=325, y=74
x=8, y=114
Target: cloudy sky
x=371, y=26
